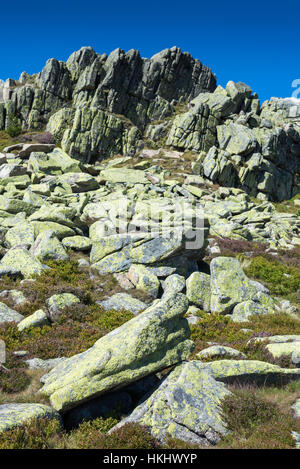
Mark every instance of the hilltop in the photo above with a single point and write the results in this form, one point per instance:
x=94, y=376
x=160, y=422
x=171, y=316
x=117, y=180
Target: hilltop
x=149, y=257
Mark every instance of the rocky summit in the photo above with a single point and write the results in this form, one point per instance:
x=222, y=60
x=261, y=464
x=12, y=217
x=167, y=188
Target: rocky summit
x=149, y=257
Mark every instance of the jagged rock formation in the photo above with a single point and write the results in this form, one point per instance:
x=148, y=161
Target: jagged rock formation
x=241, y=144
x=103, y=102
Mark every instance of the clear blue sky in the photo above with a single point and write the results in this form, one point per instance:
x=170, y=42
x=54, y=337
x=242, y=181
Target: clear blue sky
x=257, y=42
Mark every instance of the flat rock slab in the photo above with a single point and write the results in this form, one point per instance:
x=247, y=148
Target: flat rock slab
x=39, y=364
x=219, y=350
x=131, y=176
x=9, y=315
x=186, y=405
x=250, y=371
x=15, y=415
x=153, y=340
x=123, y=301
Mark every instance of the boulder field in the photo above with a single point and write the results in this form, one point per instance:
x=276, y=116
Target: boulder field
x=149, y=167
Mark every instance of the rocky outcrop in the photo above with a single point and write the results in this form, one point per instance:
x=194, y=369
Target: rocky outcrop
x=241, y=144
x=102, y=101
x=98, y=105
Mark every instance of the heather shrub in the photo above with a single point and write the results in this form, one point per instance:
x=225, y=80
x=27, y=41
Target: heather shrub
x=37, y=434
x=89, y=435
x=13, y=377
x=15, y=128
x=256, y=422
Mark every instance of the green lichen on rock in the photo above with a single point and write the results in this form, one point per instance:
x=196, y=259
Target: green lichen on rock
x=15, y=415
x=22, y=260
x=155, y=339
x=56, y=304
x=47, y=247
x=229, y=284
x=186, y=406
x=9, y=315
x=250, y=370
x=144, y=280
x=198, y=290
x=37, y=319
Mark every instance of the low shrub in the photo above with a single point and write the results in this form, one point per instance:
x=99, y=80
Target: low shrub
x=131, y=436
x=256, y=423
x=36, y=434
x=280, y=279
x=13, y=377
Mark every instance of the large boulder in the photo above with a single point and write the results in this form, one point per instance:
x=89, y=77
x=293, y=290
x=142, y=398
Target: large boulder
x=186, y=405
x=198, y=290
x=48, y=247
x=229, y=284
x=155, y=339
x=22, y=260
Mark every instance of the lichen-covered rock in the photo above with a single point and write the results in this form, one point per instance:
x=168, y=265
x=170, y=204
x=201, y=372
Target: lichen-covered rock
x=229, y=285
x=37, y=319
x=218, y=351
x=39, y=364
x=23, y=261
x=296, y=408
x=22, y=234
x=236, y=139
x=198, y=290
x=155, y=339
x=57, y=304
x=61, y=231
x=9, y=315
x=78, y=243
x=244, y=310
x=250, y=371
x=186, y=405
x=291, y=349
x=79, y=182
x=123, y=301
x=15, y=296
x=16, y=415
x=47, y=247
x=129, y=176
x=173, y=284
x=144, y=280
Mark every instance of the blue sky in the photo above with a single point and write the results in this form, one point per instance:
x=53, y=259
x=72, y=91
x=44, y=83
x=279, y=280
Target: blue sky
x=256, y=42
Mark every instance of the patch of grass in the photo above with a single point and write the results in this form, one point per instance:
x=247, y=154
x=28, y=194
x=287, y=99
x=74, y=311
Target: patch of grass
x=218, y=328
x=288, y=206
x=76, y=330
x=30, y=393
